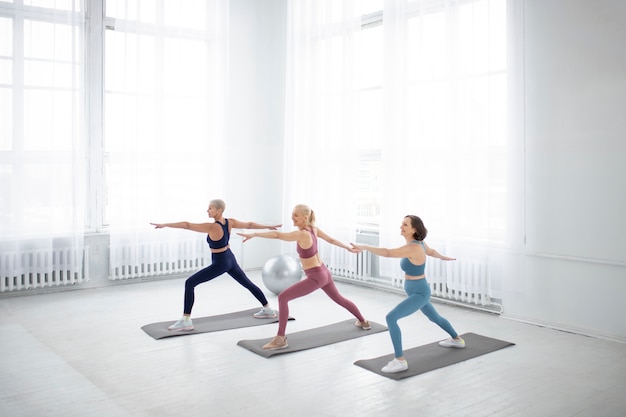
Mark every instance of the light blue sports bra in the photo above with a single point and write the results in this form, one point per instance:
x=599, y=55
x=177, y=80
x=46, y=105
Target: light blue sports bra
x=410, y=268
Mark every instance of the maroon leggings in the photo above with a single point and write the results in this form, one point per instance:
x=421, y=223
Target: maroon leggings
x=318, y=277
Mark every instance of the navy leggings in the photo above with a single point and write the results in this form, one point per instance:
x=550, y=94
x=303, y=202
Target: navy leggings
x=223, y=262
x=418, y=292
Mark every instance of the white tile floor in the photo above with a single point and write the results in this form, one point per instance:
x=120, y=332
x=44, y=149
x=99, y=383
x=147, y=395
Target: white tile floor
x=82, y=353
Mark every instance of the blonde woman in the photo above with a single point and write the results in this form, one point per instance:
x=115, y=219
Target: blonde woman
x=222, y=260
x=317, y=274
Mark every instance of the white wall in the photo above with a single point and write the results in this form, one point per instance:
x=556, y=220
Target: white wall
x=575, y=183
x=256, y=119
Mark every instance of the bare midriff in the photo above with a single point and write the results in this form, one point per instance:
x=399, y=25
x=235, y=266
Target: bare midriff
x=220, y=250
x=312, y=262
x=412, y=278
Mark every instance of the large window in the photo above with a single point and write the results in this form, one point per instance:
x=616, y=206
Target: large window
x=371, y=67
x=110, y=109
x=433, y=100
x=163, y=107
x=406, y=101
x=42, y=142
x=42, y=118
x=98, y=113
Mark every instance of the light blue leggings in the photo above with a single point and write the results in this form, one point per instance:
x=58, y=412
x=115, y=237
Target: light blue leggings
x=418, y=292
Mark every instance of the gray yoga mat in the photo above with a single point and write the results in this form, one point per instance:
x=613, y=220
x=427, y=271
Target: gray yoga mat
x=228, y=321
x=432, y=356
x=312, y=338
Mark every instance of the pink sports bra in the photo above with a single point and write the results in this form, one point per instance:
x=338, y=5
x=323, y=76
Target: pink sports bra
x=310, y=252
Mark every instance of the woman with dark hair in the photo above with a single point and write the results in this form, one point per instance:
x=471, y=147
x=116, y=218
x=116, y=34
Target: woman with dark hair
x=222, y=260
x=413, y=263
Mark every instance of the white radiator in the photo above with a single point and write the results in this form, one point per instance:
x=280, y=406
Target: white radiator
x=346, y=265
x=43, y=268
x=153, y=259
x=461, y=280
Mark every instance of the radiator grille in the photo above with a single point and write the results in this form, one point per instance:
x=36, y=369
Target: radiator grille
x=462, y=280
x=42, y=268
x=155, y=259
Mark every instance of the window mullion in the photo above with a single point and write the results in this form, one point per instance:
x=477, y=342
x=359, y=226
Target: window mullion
x=18, y=84
x=94, y=77
x=17, y=147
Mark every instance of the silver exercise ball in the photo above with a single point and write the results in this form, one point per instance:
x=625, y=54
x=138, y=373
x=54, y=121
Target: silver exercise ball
x=280, y=272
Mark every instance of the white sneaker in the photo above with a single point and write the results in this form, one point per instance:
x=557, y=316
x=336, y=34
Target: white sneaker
x=183, y=324
x=395, y=366
x=266, y=313
x=453, y=343
x=365, y=325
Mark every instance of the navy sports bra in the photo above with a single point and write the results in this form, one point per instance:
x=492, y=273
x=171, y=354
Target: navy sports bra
x=410, y=268
x=223, y=242
x=308, y=253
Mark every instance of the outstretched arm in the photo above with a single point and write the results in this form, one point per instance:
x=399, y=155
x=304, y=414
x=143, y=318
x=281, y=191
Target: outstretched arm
x=431, y=252
x=336, y=242
x=196, y=227
x=289, y=237
x=401, y=252
x=237, y=224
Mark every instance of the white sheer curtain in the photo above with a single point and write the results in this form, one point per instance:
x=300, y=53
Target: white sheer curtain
x=42, y=136
x=322, y=113
x=166, y=72
x=447, y=150
x=429, y=124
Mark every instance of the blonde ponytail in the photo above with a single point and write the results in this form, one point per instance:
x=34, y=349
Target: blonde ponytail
x=306, y=210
